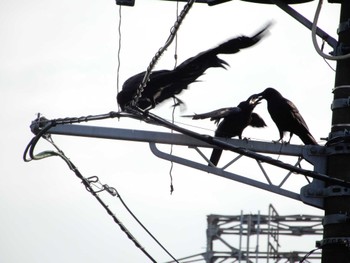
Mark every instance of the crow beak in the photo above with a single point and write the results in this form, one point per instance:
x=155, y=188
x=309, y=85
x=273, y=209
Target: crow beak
x=255, y=99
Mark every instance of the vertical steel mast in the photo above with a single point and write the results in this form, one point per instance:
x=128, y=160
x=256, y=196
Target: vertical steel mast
x=336, y=238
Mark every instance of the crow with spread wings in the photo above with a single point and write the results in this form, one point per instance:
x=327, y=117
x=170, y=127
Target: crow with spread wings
x=165, y=84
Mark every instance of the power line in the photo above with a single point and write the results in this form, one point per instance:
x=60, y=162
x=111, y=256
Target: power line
x=88, y=182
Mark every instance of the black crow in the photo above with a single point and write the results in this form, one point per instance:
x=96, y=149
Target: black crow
x=234, y=121
x=286, y=116
x=165, y=84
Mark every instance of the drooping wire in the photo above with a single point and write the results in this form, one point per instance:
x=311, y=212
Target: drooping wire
x=148, y=232
x=119, y=49
x=325, y=60
x=171, y=150
x=308, y=254
x=116, y=220
x=154, y=60
x=314, y=40
x=173, y=111
x=102, y=187
x=43, y=126
x=88, y=182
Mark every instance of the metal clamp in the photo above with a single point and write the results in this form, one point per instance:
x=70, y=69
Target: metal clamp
x=341, y=87
x=337, y=134
x=340, y=103
x=125, y=2
x=345, y=241
x=338, y=141
x=333, y=190
x=341, y=49
x=343, y=26
x=335, y=219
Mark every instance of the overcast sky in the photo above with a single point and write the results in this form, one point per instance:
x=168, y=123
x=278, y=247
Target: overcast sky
x=60, y=58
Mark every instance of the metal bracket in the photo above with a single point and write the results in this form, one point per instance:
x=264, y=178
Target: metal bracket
x=340, y=49
x=333, y=241
x=338, y=142
x=315, y=192
x=319, y=192
x=335, y=219
x=340, y=103
x=125, y=2
x=312, y=193
x=340, y=87
x=337, y=134
x=343, y=26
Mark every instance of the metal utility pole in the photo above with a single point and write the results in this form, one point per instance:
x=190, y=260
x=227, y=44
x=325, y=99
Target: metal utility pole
x=336, y=238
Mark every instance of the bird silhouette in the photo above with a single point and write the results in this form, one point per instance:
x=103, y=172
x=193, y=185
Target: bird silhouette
x=286, y=116
x=165, y=84
x=234, y=121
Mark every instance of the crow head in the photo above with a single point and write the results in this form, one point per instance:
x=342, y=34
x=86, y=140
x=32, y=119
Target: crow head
x=267, y=94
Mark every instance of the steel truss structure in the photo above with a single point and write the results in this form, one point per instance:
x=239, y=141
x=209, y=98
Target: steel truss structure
x=248, y=228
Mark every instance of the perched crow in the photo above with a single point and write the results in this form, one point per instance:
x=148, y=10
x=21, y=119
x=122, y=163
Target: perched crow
x=235, y=120
x=286, y=116
x=165, y=84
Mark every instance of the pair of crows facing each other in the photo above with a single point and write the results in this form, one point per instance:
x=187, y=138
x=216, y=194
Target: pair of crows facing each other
x=166, y=84
x=234, y=120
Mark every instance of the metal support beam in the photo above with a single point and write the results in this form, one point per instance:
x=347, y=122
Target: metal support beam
x=229, y=175
x=177, y=139
x=307, y=23
x=314, y=155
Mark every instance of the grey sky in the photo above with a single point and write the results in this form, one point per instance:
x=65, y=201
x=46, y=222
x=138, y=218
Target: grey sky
x=59, y=58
